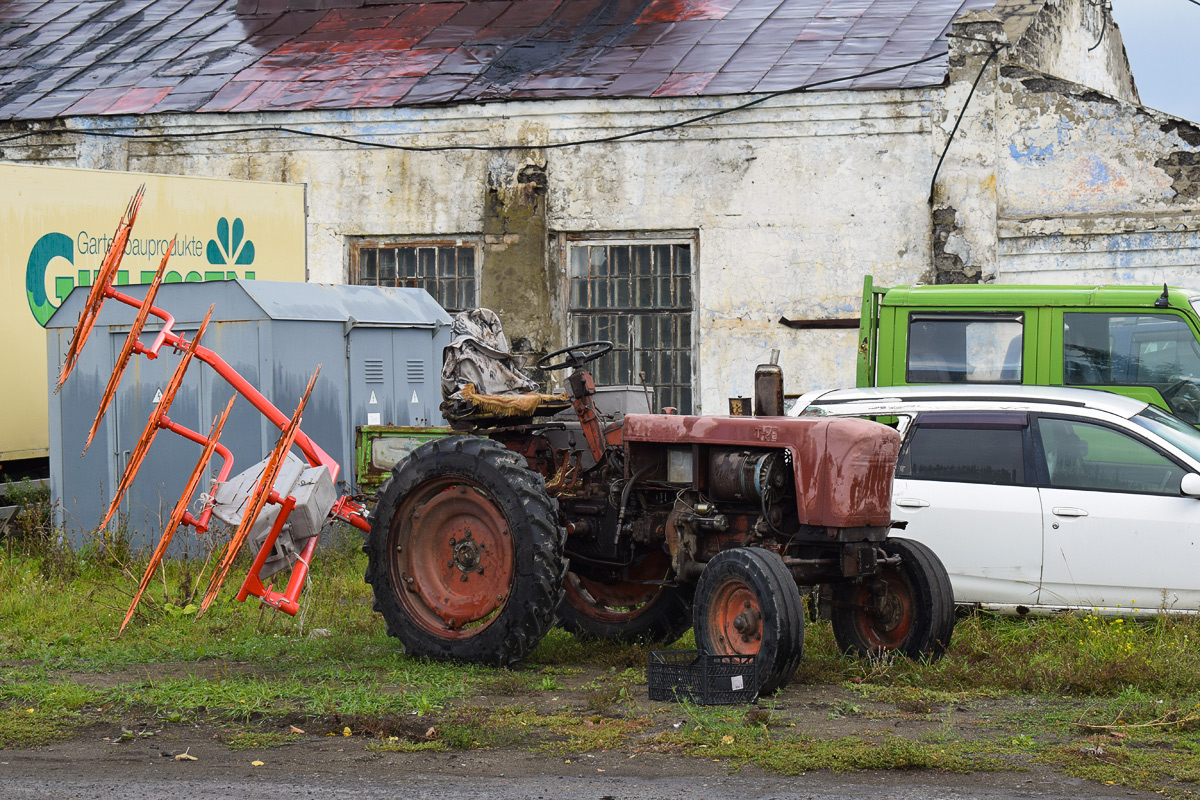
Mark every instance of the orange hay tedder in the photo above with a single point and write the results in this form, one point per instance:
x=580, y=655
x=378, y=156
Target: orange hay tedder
x=279, y=504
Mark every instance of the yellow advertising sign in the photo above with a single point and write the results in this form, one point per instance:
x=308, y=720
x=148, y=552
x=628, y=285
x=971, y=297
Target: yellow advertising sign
x=56, y=224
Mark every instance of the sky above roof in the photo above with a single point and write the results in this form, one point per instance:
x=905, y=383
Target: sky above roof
x=1161, y=38
x=90, y=57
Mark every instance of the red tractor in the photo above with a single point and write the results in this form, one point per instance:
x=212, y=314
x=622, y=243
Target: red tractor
x=629, y=526
x=640, y=526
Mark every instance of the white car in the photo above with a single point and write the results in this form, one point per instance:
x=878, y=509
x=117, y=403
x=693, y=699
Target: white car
x=1041, y=499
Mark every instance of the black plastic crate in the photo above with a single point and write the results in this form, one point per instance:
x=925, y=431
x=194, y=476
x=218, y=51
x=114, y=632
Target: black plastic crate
x=677, y=675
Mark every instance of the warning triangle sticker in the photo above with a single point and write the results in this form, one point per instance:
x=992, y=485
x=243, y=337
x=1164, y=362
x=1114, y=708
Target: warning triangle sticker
x=157, y=396
x=415, y=398
x=373, y=401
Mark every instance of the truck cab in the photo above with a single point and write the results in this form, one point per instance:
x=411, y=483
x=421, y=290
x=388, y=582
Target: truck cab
x=1139, y=341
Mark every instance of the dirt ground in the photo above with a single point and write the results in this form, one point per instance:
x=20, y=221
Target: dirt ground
x=99, y=760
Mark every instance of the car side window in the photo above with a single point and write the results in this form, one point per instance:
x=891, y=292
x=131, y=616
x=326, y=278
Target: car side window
x=1083, y=455
x=965, y=448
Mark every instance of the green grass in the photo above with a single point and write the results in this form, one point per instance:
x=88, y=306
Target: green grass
x=1104, y=699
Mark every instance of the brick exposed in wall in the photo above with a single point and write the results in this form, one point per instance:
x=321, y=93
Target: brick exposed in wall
x=948, y=267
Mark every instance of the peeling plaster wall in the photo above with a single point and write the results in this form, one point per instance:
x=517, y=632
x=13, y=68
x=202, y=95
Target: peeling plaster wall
x=1078, y=41
x=791, y=204
x=1094, y=190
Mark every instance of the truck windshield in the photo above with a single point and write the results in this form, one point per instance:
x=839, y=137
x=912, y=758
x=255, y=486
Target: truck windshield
x=1173, y=429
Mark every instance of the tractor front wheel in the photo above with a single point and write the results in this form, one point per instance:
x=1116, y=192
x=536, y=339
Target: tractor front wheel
x=907, y=607
x=465, y=554
x=747, y=603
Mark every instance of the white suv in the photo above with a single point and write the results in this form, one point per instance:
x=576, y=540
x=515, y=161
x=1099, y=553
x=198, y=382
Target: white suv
x=1042, y=499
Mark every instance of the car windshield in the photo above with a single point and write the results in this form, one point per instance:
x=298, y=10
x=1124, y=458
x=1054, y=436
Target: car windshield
x=1173, y=429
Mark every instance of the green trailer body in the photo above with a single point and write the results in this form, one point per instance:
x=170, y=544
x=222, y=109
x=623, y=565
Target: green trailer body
x=378, y=448
x=1139, y=341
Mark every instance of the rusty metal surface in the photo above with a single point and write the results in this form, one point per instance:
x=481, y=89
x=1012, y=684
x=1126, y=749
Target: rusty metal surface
x=843, y=471
x=98, y=57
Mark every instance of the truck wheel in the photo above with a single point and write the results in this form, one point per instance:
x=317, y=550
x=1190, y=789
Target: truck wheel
x=465, y=554
x=908, y=607
x=632, y=610
x=747, y=603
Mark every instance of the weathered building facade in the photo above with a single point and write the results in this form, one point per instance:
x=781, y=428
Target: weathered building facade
x=654, y=203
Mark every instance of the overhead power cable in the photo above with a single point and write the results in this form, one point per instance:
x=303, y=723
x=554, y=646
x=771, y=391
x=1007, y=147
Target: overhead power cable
x=259, y=129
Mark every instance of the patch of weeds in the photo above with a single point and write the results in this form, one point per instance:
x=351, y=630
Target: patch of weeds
x=1107, y=761
x=508, y=684
x=844, y=708
x=32, y=727
x=548, y=684
x=607, y=696
x=474, y=727
x=256, y=740
x=395, y=744
x=795, y=756
x=569, y=733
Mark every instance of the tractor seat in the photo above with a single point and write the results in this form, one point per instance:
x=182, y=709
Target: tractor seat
x=470, y=410
x=482, y=382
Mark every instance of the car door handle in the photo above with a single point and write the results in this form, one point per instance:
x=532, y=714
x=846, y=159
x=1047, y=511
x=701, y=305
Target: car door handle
x=1068, y=511
x=911, y=502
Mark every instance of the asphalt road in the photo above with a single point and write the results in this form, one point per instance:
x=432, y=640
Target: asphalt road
x=338, y=770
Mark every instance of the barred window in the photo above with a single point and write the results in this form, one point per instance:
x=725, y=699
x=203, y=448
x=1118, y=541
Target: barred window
x=639, y=296
x=446, y=270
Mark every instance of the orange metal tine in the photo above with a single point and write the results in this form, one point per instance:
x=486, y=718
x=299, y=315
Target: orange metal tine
x=262, y=492
x=104, y=279
x=152, y=425
x=180, y=509
x=130, y=341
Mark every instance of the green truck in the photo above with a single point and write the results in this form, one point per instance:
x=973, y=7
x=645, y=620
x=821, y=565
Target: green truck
x=1139, y=341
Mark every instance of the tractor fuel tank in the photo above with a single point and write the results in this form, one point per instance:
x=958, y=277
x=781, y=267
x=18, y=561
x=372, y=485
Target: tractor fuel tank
x=842, y=467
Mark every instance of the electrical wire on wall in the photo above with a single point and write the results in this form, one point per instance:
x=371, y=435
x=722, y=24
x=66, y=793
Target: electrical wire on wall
x=966, y=104
x=1105, y=7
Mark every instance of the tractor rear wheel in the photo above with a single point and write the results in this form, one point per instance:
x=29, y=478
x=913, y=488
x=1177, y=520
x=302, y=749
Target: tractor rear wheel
x=633, y=609
x=908, y=607
x=465, y=554
x=747, y=603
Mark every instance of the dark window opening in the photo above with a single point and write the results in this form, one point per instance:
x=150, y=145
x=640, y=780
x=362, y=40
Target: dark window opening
x=639, y=297
x=447, y=272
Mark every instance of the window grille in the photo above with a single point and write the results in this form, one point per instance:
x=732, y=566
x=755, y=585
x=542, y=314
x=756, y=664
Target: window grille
x=639, y=296
x=446, y=271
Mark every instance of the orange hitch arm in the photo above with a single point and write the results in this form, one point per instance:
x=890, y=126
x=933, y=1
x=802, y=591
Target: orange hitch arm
x=258, y=499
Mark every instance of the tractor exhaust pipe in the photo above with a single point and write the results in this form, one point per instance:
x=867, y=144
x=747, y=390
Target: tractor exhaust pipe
x=768, y=388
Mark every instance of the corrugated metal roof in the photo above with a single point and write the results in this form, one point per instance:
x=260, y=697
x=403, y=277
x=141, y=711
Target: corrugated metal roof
x=104, y=57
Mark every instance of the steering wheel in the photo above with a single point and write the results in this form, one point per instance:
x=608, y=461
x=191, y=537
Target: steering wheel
x=1183, y=398
x=576, y=355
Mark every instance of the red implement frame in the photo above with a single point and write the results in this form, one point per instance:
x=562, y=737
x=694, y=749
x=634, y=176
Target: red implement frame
x=258, y=499
x=177, y=516
x=345, y=508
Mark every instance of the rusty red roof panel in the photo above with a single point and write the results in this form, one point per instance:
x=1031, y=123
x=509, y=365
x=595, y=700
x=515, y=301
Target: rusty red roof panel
x=108, y=57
